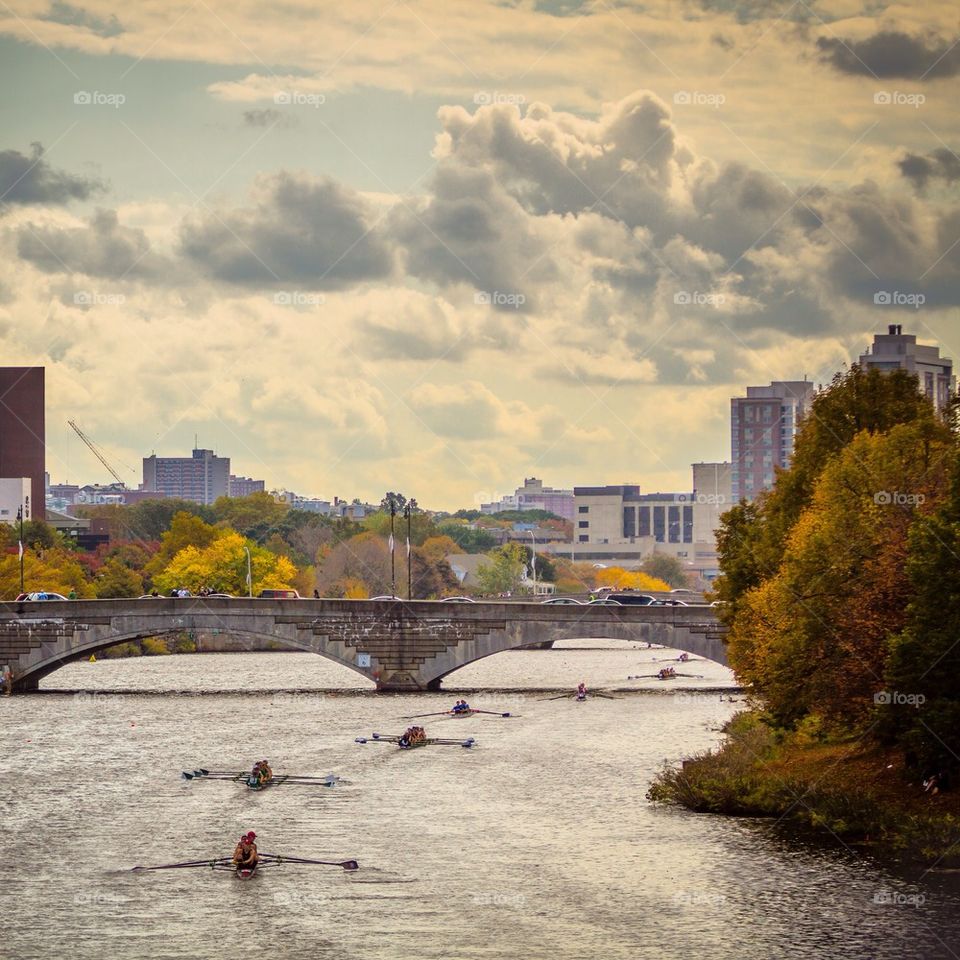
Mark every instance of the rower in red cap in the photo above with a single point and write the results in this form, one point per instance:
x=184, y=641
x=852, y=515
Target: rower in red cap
x=245, y=856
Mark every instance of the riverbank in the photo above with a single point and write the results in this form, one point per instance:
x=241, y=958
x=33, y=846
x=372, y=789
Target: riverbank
x=845, y=788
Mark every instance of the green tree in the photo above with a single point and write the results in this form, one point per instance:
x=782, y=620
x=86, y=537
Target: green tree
x=256, y=515
x=504, y=572
x=469, y=539
x=117, y=580
x=666, y=568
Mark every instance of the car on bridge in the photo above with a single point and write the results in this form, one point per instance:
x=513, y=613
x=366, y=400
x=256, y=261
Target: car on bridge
x=603, y=601
x=40, y=595
x=278, y=595
x=386, y=598
x=632, y=599
x=561, y=600
x=457, y=600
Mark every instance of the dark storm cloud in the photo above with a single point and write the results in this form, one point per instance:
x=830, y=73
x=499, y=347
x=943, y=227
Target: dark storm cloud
x=941, y=164
x=300, y=230
x=72, y=16
x=104, y=248
x=892, y=55
x=471, y=232
x=30, y=179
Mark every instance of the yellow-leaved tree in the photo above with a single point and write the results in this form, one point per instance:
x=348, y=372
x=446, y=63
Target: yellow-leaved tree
x=221, y=566
x=57, y=571
x=630, y=579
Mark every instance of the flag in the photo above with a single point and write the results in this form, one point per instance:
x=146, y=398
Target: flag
x=408, y=546
x=391, y=543
x=20, y=544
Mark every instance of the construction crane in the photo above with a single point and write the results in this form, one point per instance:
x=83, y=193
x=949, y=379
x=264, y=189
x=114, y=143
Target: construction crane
x=97, y=453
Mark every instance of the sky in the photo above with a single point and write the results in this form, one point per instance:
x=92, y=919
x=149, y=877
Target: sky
x=439, y=247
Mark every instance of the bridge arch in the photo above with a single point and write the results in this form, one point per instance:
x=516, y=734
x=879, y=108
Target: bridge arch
x=396, y=645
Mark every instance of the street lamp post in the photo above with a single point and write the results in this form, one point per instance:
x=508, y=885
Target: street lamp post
x=533, y=562
x=249, y=573
x=20, y=520
x=408, y=509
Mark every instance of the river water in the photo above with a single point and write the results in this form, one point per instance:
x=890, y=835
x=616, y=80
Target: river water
x=538, y=842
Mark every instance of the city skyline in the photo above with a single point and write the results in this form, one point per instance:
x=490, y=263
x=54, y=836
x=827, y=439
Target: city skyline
x=547, y=239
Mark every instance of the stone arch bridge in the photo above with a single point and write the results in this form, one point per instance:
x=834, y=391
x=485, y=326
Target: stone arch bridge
x=399, y=645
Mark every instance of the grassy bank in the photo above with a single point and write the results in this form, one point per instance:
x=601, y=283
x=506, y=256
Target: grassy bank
x=846, y=788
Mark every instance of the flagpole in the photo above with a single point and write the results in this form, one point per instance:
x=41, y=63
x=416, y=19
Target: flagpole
x=408, y=511
x=393, y=565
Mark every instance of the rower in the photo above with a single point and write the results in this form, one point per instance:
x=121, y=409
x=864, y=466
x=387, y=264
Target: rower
x=266, y=773
x=582, y=691
x=245, y=856
x=684, y=657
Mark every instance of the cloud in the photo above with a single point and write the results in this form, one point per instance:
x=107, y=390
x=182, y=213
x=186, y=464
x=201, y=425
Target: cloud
x=30, y=179
x=299, y=231
x=102, y=248
x=69, y=15
x=940, y=164
x=892, y=54
x=268, y=117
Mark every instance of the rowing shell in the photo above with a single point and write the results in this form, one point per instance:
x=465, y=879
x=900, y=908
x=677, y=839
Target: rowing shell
x=411, y=744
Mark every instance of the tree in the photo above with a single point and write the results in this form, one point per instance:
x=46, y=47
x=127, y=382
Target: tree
x=57, y=571
x=421, y=526
x=221, y=565
x=398, y=500
x=813, y=638
x=469, y=539
x=256, y=515
x=662, y=566
x=186, y=530
x=505, y=571
x=629, y=580
x=439, y=548
x=117, y=580
x=922, y=708
x=359, y=564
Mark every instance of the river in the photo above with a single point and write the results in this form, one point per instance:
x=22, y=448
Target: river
x=536, y=843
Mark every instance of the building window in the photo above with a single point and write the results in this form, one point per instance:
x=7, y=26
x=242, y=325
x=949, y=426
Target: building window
x=644, y=530
x=659, y=524
x=583, y=524
x=688, y=524
x=674, y=521
x=584, y=539
x=629, y=522
x=583, y=509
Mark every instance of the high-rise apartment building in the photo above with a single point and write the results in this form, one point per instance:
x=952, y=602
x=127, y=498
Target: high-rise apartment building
x=896, y=350
x=763, y=426
x=201, y=477
x=23, y=433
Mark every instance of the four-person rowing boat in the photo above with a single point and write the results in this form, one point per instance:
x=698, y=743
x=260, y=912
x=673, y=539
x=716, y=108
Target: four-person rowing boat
x=254, y=782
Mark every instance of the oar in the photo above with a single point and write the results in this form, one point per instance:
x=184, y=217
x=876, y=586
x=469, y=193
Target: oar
x=278, y=858
x=644, y=676
x=492, y=713
x=188, y=863
x=197, y=775
x=562, y=696
x=420, y=716
x=606, y=696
